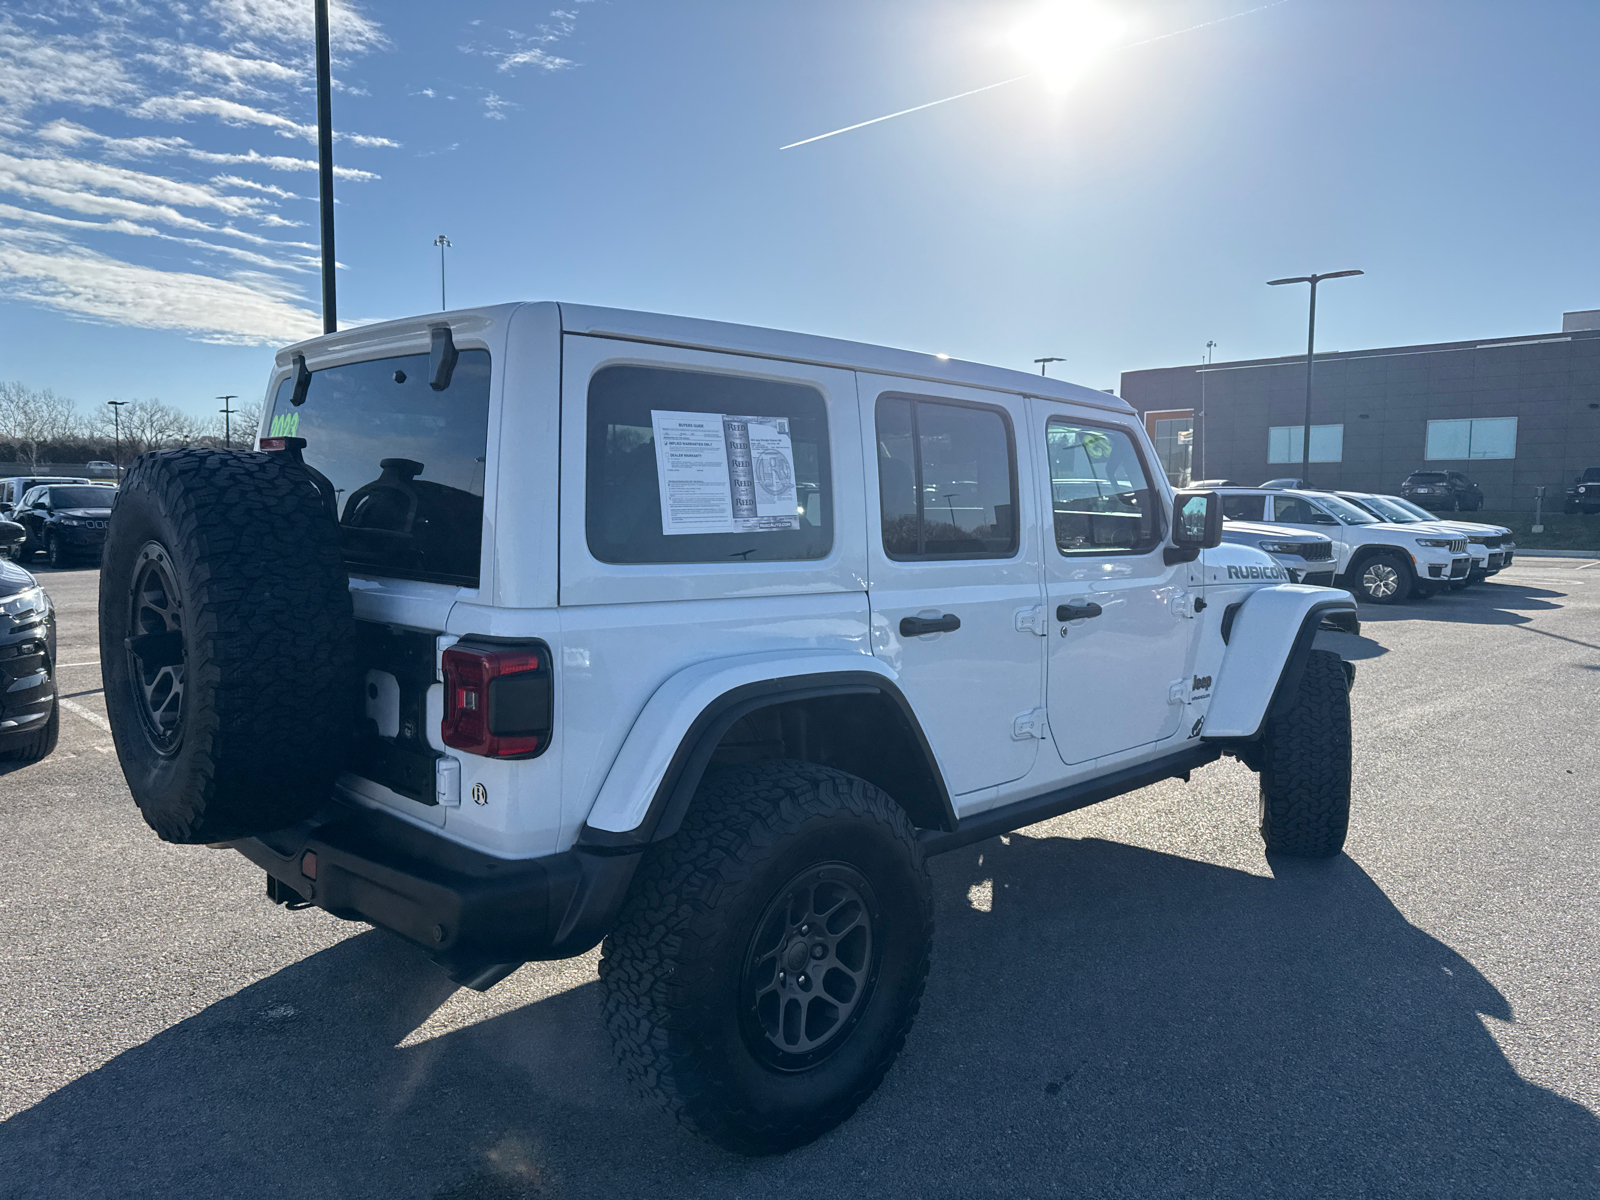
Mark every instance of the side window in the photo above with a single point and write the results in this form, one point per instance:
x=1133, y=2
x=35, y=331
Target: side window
x=1244, y=508
x=1100, y=491
x=1292, y=510
x=947, y=480
x=695, y=467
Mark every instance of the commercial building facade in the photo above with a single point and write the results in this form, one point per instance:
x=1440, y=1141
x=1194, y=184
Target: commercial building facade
x=1513, y=414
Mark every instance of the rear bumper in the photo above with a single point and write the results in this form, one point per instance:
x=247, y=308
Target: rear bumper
x=469, y=910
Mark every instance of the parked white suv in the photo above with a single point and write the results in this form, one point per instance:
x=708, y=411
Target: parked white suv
x=537, y=625
x=1380, y=562
x=1489, y=546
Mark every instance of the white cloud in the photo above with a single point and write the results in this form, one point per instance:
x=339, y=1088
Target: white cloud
x=38, y=71
x=534, y=57
x=231, y=112
x=80, y=175
x=66, y=133
x=246, y=310
x=251, y=22
x=23, y=216
x=204, y=64
x=494, y=108
x=530, y=49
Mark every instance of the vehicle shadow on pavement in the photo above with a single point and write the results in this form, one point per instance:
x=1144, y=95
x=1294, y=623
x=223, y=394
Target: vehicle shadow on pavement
x=1481, y=604
x=1102, y=1020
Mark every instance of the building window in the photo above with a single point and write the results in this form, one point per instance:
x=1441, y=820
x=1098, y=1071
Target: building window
x=1481, y=437
x=1286, y=443
x=1174, y=439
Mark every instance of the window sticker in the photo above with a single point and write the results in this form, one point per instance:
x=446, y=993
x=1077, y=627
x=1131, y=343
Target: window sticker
x=724, y=474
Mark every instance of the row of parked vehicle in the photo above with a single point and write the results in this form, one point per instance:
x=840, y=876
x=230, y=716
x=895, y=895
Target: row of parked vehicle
x=62, y=517
x=1386, y=549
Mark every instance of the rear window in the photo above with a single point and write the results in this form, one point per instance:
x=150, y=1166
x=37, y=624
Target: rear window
x=693, y=467
x=81, y=497
x=406, y=462
x=1428, y=477
x=1591, y=475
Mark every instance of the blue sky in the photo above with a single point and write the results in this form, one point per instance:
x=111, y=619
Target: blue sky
x=158, y=222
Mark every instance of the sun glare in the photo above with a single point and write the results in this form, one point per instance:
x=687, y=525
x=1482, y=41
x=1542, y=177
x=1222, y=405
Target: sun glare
x=1063, y=39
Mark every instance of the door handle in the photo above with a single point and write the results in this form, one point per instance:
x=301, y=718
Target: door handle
x=1077, y=612
x=917, y=626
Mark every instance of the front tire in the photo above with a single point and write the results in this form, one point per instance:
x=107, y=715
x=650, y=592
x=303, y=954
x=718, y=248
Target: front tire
x=1305, y=765
x=55, y=553
x=40, y=745
x=770, y=960
x=1383, y=579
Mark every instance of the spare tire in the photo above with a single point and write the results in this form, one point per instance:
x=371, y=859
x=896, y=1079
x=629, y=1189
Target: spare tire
x=226, y=642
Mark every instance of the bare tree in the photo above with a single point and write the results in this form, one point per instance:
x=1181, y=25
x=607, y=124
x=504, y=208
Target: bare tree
x=150, y=425
x=31, y=419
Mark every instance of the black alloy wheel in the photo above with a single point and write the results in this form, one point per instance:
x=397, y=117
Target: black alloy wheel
x=155, y=648
x=810, y=967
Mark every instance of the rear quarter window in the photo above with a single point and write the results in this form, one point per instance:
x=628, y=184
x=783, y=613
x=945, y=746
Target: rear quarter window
x=406, y=462
x=690, y=466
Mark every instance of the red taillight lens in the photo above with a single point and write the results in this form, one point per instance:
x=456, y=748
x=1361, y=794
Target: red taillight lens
x=498, y=702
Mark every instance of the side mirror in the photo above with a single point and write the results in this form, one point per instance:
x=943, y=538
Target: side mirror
x=1196, y=526
x=10, y=531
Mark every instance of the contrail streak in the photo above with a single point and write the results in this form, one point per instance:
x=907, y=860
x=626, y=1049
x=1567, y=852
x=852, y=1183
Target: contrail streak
x=863, y=124
x=1015, y=78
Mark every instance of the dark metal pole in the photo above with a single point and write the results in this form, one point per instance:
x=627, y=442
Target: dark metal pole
x=1311, y=354
x=330, y=305
x=227, y=419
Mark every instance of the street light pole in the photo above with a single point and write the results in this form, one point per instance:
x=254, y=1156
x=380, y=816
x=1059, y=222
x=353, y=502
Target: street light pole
x=1043, y=362
x=116, y=420
x=330, y=305
x=227, y=420
x=1200, y=423
x=1311, y=352
x=441, y=241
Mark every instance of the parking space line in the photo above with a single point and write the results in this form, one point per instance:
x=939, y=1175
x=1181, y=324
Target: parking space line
x=95, y=663
x=90, y=692
x=93, y=718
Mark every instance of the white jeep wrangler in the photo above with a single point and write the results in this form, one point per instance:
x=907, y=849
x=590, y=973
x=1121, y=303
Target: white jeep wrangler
x=537, y=625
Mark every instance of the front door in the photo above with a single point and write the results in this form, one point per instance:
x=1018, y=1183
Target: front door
x=957, y=608
x=1121, y=618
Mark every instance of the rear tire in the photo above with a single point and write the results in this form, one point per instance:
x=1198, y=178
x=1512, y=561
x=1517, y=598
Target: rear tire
x=1382, y=579
x=730, y=1000
x=1305, y=765
x=226, y=643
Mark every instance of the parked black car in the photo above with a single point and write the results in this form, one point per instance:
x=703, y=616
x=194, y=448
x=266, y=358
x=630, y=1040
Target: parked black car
x=65, y=521
x=30, y=716
x=14, y=487
x=1442, y=491
x=1584, y=494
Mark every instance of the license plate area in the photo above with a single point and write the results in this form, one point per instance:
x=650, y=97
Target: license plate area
x=390, y=746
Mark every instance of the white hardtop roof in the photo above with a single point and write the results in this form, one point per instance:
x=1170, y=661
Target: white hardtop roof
x=749, y=340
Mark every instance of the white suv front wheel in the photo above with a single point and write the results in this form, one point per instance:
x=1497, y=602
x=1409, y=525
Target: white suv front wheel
x=1383, y=579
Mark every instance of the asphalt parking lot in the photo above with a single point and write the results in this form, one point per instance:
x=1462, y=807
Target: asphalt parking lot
x=1128, y=1001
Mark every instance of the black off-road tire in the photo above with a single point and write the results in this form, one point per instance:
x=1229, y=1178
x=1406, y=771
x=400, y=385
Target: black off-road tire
x=686, y=1024
x=55, y=553
x=260, y=628
x=1398, y=576
x=41, y=744
x=1305, y=765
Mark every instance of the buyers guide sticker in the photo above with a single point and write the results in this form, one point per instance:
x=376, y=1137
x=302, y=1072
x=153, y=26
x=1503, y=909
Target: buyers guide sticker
x=724, y=474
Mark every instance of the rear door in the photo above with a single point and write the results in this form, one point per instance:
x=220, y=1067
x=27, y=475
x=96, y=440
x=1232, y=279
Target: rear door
x=949, y=496
x=1121, y=618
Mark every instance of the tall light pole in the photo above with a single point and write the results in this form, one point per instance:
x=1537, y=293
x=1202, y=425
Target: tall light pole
x=116, y=421
x=1044, y=362
x=1311, y=353
x=1200, y=423
x=227, y=420
x=330, y=305
x=441, y=241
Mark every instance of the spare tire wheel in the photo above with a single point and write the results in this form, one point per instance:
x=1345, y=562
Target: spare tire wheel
x=226, y=642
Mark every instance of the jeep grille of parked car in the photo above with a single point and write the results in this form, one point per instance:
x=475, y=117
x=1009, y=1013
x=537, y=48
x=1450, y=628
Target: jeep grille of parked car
x=1316, y=551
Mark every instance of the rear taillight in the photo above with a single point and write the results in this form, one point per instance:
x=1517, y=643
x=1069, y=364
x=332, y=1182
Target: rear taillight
x=498, y=700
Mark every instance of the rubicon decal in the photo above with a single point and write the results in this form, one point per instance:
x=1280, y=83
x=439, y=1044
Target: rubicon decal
x=1255, y=572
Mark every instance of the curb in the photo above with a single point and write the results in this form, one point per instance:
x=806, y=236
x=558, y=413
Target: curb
x=1522, y=552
